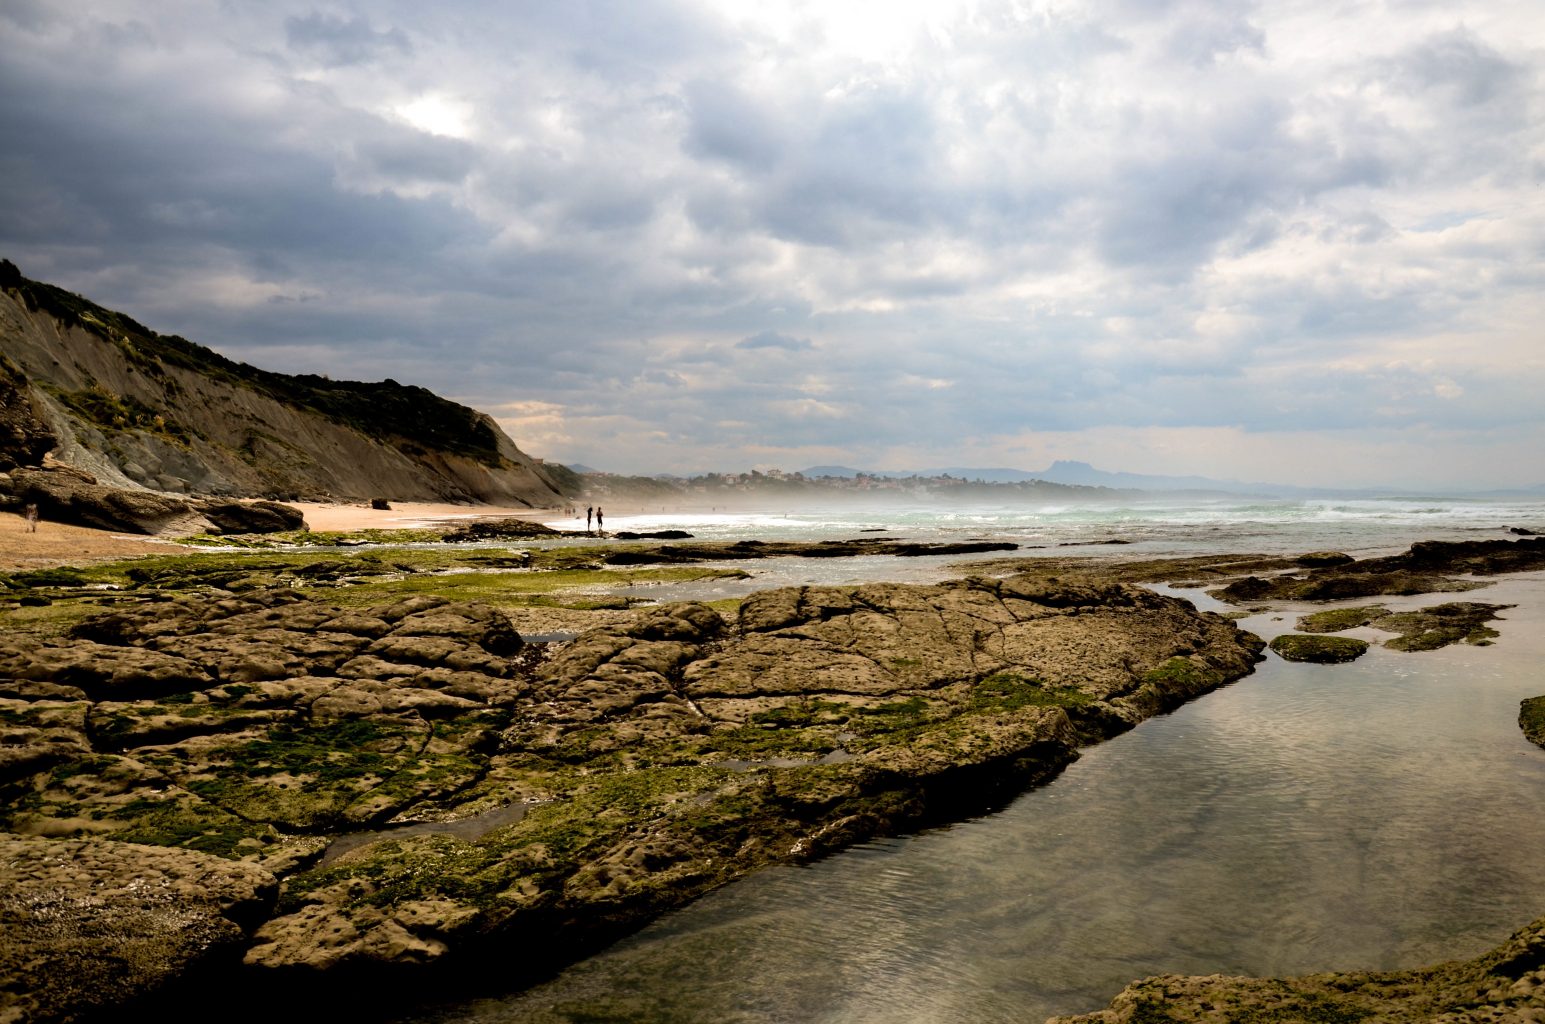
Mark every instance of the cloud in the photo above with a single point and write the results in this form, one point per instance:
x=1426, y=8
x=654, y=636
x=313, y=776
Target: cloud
x=337, y=42
x=1096, y=215
x=1460, y=63
x=772, y=339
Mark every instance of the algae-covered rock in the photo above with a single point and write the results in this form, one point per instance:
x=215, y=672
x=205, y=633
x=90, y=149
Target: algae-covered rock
x=1337, y=619
x=1506, y=984
x=1531, y=719
x=91, y=924
x=559, y=796
x=213, y=724
x=1323, y=650
x=1427, y=629
x=1316, y=559
x=1428, y=567
x=1422, y=629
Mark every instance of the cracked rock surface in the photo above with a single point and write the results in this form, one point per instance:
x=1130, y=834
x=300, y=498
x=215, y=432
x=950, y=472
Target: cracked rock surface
x=424, y=783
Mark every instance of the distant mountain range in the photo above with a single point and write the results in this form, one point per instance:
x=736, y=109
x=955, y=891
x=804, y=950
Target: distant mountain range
x=1070, y=472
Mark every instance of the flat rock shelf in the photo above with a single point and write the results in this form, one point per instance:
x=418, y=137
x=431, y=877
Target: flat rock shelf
x=651, y=761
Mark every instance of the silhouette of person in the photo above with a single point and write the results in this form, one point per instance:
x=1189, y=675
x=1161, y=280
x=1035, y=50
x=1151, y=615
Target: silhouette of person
x=598, y=527
x=588, y=513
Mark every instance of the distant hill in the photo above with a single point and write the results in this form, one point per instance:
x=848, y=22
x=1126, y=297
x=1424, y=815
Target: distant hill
x=1069, y=472
x=96, y=390
x=1082, y=474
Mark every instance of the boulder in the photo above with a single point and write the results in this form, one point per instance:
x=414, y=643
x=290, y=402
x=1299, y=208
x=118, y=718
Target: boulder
x=69, y=497
x=1316, y=559
x=1323, y=650
x=250, y=516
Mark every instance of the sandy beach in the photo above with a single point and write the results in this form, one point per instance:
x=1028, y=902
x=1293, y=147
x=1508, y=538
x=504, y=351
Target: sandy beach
x=58, y=544
x=408, y=515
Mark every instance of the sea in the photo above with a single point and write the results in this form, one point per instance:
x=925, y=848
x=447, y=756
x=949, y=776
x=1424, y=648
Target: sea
x=1180, y=526
x=1377, y=815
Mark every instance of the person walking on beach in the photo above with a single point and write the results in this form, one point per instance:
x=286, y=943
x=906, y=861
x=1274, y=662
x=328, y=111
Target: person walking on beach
x=598, y=527
x=32, y=518
x=589, y=512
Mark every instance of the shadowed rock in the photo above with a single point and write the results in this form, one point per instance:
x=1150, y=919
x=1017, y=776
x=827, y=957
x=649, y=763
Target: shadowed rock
x=70, y=496
x=91, y=924
x=752, y=549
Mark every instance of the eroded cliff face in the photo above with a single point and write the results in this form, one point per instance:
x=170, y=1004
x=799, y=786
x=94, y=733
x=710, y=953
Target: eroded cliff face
x=138, y=409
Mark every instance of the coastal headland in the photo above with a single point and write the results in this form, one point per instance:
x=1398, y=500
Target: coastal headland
x=348, y=764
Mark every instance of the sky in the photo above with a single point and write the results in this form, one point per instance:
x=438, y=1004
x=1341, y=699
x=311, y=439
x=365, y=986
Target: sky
x=1301, y=242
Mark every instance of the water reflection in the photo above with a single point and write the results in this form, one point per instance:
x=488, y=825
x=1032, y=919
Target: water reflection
x=1373, y=815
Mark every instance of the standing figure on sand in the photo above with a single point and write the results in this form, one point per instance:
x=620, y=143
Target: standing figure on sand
x=32, y=518
x=600, y=526
x=589, y=514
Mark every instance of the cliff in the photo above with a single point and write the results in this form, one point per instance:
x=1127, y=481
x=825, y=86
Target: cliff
x=101, y=393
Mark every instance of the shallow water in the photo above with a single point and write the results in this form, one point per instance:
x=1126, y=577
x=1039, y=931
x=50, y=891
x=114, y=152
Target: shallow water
x=1380, y=814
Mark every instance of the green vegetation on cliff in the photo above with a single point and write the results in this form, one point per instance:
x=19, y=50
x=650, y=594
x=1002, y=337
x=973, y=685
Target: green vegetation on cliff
x=110, y=412
x=413, y=417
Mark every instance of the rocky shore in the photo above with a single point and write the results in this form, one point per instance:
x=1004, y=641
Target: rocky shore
x=562, y=795
x=224, y=780
x=1503, y=986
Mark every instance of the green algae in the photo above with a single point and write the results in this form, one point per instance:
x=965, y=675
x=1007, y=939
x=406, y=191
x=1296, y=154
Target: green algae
x=1335, y=620
x=352, y=579
x=315, y=538
x=1427, y=629
x=1531, y=719
x=38, y=623
x=1008, y=691
x=309, y=776
x=1421, y=629
x=1318, y=649
x=1184, y=673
